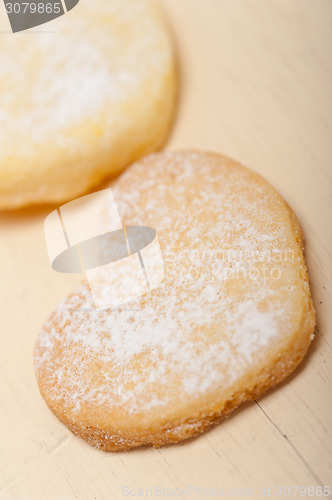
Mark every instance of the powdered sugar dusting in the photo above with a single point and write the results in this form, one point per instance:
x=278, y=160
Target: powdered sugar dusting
x=209, y=321
x=94, y=61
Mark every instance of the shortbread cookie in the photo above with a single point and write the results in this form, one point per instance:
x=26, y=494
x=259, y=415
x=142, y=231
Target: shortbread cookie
x=232, y=317
x=88, y=94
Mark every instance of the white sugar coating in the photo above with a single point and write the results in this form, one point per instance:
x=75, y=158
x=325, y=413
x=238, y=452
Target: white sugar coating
x=91, y=59
x=213, y=316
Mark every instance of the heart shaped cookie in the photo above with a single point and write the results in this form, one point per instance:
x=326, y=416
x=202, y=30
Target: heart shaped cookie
x=232, y=317
x=92, y=92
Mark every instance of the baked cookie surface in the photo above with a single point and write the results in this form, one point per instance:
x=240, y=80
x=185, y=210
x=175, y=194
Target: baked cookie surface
x=232, y=317
x=81, y=98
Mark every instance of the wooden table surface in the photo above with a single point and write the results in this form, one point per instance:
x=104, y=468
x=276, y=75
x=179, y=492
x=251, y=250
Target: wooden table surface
x=256, y=80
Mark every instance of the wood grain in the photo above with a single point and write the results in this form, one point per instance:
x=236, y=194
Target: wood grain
x=256, y=80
